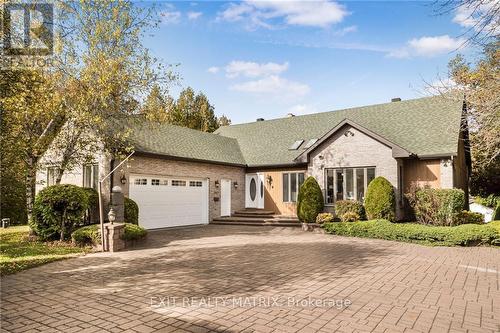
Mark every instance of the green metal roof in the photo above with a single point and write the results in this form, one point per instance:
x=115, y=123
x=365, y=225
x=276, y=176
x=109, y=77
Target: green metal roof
x=180, y=142
x=424, y=126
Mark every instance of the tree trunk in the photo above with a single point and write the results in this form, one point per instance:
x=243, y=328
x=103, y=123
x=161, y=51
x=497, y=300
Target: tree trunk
x=60, y=172
x=30, y=186
x=63, y=219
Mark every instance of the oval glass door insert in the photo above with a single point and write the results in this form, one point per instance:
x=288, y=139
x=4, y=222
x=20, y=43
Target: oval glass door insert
x=253, y=189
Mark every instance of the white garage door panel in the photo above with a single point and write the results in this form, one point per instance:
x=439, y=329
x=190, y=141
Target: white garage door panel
x=162, y=206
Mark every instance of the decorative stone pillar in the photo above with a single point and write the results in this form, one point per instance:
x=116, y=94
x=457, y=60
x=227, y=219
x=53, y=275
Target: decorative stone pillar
x=118, y=204
x=113, y=237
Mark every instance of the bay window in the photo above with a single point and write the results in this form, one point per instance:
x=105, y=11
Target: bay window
x=347, y=183
x=291, y=184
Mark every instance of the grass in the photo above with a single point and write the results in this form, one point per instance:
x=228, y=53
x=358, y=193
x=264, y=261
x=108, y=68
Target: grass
x=18, y=252
x=462, y=235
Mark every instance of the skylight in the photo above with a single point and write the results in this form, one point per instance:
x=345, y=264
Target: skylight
x=310, y=143
x=296, y=145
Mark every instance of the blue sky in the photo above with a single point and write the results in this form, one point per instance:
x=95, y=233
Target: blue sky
x=268, y=58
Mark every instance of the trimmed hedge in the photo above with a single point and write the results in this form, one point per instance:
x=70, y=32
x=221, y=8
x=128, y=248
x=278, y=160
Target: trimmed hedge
x=57, y=209
x=491, y=201
x=380, y=200
x=463, y=235
x=349, y=209
x=92, y=213
x=310, y=201
x=91, y=234
x=440, y=207
x=131, y=213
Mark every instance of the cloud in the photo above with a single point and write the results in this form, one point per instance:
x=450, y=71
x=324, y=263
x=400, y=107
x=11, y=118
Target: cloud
x=346, y=30
x=428, y=47
x=301, y=109
x=322, y=13
x=170, y=17
x=478, y=18
x=194, y=15
x=213, y=70
x=253, y=69
x=273, y=85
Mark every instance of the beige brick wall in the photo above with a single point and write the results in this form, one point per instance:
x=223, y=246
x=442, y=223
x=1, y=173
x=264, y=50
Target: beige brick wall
x=358, y=150
x=165, y=167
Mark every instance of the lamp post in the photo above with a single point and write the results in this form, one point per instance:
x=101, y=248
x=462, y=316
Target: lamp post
x=99, y=187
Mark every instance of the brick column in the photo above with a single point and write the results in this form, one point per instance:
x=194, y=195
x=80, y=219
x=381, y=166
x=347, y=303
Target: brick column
x=113, y=233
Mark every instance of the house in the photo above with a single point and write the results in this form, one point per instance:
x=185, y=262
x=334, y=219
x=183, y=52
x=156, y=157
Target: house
x=180, y=176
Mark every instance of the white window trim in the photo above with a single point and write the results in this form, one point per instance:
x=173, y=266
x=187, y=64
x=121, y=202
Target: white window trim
x=344, y=183
x=290, y=185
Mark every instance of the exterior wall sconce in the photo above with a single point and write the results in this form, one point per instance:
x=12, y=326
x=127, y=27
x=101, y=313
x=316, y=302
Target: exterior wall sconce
x=321, y=157
x=269, y=180
x=217, y=183
x=123, y=180
x=235, y=185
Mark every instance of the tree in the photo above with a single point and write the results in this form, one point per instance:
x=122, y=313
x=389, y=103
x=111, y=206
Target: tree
x=480, y=84
x=32, y=114
x=224, y=121
x=189, y=110
x=481, y=18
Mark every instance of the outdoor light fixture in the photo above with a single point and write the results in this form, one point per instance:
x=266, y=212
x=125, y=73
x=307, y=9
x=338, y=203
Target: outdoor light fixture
x=269, y=180
x=123, y=180
x=111, y=216
x=348, y=133
x=235, y=185
x=217, y=183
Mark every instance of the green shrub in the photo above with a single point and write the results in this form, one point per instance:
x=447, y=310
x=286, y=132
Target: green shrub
x=91, y=234
x=350, y=217
x=57, y=209
x=380, y=200
x=466, y=217
x=133, y=232
x=310, y=201
x=441, y=207
x=490, y=201
x=131, y=211
x=324, y=218
x=496, y=213
x=349, y=206
x=92, y=213
x=463, y=235
x=88, y=235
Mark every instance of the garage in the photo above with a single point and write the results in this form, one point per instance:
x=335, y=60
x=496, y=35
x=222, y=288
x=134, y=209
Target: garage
x=169, y=201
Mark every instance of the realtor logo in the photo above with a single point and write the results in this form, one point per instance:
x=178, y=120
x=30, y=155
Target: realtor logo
x=28, y=29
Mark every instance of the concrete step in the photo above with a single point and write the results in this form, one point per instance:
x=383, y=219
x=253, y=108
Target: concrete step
x=255, y=223
x=254, y=211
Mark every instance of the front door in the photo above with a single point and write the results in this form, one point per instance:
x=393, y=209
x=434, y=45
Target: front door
x=225, y=197
x=254, y=197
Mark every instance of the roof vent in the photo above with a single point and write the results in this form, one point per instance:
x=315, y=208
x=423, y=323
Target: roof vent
x=260, y=119
x=396, y=99
x=290, y=115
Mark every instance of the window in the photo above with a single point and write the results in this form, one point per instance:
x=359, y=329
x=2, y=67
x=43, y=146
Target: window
x=296, y=145
x=347, y=183
x=140, y=181
x=90, y=175
x=178, y=183
x=195, y=183
x=310, y=143
x=51, y=175
x=155, y=182
x=291, y=184
x=164, y=182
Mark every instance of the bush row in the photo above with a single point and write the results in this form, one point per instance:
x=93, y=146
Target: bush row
x=91, y=234
x=463, y=235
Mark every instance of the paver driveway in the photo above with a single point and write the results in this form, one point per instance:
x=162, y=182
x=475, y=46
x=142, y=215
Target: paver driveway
x=392, y=286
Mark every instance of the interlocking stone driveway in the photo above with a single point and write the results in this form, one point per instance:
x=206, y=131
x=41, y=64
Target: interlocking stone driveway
x=393, y=287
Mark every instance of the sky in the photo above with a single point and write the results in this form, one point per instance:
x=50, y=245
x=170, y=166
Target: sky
x=265, y=59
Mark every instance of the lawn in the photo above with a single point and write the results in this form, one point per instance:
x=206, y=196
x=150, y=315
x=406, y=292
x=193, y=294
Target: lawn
x=462, y=235
x=18, y=252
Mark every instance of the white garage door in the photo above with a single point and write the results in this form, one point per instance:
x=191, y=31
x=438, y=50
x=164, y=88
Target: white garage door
x=169, y=201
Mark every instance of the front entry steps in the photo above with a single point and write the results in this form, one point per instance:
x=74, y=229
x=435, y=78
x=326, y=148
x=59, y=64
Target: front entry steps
x=257, y=217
